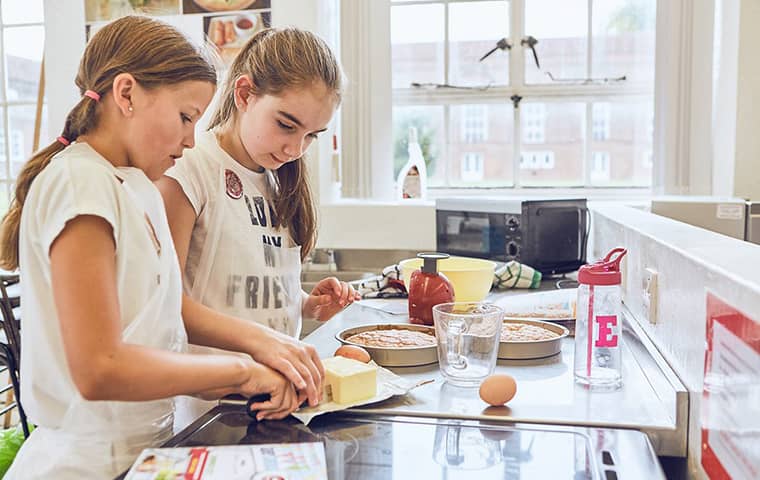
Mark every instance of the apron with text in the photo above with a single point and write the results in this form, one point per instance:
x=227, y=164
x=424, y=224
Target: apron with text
x=245, y=270
x=100, y=439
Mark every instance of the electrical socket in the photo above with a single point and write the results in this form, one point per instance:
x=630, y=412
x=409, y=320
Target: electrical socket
x=649, y=294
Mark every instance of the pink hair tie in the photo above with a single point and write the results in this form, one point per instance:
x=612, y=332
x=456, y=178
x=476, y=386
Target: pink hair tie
x=92, y=94
x=63, y=140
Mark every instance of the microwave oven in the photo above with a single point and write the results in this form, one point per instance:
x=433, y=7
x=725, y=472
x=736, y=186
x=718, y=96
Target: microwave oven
x=549, y=235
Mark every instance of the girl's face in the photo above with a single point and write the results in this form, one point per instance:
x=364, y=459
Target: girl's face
x=164, y=124
x=275, y=130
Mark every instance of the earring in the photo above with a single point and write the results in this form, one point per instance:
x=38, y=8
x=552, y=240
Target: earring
x=130, y=108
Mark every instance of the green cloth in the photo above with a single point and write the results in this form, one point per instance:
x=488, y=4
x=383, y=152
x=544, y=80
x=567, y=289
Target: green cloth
x=10, y=443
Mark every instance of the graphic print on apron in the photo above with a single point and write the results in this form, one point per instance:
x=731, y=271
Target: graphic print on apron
x=244, y=269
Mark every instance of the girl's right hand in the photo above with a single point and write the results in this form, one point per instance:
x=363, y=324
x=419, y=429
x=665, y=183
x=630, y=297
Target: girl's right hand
x=283, y=396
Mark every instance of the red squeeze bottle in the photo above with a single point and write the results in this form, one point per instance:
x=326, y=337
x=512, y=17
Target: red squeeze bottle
x=427, y=288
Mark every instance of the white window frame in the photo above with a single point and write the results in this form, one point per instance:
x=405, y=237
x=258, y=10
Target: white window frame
x=600, y=122
x=600, y=167
x=534, y=122
x=474, y=123
x=472, y=167
x=683, y=72
x=536, y=159
x=9, y=138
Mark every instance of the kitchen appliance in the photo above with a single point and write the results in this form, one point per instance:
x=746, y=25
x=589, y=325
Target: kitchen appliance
x=428, y=287
x=547, y=234
x=735, y=217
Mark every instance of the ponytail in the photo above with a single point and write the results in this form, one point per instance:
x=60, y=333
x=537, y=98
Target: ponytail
x=119, y=47
x=79, y=121
x=9, y=229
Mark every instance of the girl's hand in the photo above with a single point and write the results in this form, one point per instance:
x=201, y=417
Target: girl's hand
x=283, y=397
x=297, y=360
x=328, y=297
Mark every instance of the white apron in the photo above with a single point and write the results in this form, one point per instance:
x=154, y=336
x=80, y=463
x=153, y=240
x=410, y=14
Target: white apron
x=243, y=270
x=101, y=439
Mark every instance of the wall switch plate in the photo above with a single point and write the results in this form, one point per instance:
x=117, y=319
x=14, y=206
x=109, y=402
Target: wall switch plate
x=649, y=294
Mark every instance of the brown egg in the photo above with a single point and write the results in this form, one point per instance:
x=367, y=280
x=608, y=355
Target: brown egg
x=498, y=389
x=354, y=352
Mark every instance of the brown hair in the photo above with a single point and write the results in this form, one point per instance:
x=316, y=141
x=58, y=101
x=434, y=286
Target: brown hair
x=153, y=52
x=279, y=60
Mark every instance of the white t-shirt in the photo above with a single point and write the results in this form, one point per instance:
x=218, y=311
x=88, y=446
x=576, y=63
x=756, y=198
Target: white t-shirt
x=240, y=260
x=78, y=181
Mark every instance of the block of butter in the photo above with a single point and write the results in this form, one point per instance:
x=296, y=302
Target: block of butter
x=350, y=380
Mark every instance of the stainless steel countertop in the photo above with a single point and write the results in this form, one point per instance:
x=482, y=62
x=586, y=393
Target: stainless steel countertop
x=652, y=398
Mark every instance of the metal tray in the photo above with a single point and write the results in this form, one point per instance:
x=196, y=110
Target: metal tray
x=568, y=323
x=394, y=357
x=534, y=349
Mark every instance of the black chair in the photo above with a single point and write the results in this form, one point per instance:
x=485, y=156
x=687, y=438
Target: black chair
x=10, y=347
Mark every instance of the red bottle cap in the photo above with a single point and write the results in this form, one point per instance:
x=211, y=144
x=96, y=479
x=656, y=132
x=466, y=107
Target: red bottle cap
x=605, y=271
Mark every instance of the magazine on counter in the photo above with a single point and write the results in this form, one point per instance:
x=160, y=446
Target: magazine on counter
x=275, y=461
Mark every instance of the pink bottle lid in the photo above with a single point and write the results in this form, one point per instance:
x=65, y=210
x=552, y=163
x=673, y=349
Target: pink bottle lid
x=605, y=271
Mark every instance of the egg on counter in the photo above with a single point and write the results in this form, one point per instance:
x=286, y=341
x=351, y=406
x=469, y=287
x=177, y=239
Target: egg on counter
x=353, y=352
x=498, y=389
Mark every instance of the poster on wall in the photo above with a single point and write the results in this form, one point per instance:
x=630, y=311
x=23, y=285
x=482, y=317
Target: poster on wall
x=106, y=10
x=731, y=393
x=210, y=6
x=228, y=33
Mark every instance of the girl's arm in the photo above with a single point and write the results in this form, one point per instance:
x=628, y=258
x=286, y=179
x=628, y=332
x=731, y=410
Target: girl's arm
x=102, y=366
x=296, y=360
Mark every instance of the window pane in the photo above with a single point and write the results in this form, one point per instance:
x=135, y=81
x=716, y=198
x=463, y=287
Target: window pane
x=474, y=29
x=551, y=153
x=3, y=151
x=481, y=145
x=623, y=39
x=428, y=120
x=417, y=36
x=23, y=56
x=22, y=11
x=21, y=134
x=560, y=26
x=622, y=133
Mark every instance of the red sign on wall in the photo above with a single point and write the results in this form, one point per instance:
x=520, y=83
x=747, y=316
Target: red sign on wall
x=731, y=394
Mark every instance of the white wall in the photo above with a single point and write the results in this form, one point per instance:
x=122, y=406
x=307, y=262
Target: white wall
x=746, y=177
x=688, y=261
x=64, y=44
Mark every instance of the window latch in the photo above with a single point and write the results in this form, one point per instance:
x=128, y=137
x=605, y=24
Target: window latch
x=502, y=44
x=530, y=41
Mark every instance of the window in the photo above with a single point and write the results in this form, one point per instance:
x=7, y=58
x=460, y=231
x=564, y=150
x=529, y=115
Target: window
x=600, y=118
x=600, y=167
x=472, y=167
x=536, y=160
x=592, y=94
x=534, y=125
x=474, y=124
x=21, y=41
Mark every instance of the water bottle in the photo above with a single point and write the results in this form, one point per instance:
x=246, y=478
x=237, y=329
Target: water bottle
x=598, y=329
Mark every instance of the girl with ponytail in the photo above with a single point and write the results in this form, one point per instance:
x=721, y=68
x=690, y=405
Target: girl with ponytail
x=103, y=341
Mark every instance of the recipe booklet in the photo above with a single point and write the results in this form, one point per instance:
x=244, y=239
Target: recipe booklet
x=281, y=461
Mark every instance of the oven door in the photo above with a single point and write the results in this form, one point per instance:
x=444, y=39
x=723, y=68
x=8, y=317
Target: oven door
x=471, y=234
x=555, y=233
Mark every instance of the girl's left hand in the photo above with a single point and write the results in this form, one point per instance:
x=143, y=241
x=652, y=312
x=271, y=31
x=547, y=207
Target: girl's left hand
x=328, y=297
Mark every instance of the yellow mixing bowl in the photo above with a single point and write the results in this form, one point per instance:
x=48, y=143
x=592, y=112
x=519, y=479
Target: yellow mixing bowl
x=470, y=277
